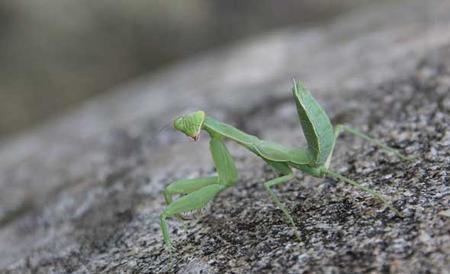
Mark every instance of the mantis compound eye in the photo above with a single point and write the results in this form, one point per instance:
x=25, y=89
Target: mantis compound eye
x=190, y=124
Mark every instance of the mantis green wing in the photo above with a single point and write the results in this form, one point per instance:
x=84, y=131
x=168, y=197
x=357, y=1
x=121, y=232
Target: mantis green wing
x=278, y=153
x=316, y=125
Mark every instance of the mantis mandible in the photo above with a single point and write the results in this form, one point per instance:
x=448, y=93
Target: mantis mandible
x=313, y=160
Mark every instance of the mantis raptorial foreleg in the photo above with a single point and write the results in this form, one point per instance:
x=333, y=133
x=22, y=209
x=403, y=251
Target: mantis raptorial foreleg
x=199, y=191
x=186, y=187
x=192, y=201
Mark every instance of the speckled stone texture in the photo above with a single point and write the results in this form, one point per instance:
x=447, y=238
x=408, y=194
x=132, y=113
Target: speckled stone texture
x=83, y=193
x=343, y=230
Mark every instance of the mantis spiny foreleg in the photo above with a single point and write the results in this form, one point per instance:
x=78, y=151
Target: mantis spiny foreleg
x=186, y=187
x=199, y=191
x=192, y=201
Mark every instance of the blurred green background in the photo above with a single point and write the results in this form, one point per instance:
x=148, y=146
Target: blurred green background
x=56, y=53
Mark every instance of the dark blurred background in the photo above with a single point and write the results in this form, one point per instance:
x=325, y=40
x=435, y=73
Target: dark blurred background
x=56, y=53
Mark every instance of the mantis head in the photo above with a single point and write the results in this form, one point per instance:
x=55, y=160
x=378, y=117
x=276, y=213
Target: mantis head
x=190, y=124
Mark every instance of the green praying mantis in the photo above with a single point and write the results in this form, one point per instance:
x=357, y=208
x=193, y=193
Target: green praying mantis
x=313, y=160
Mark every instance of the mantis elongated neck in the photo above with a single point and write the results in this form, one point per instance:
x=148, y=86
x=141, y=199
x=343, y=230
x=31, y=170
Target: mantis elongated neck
x=216, y=128
x=268, y=151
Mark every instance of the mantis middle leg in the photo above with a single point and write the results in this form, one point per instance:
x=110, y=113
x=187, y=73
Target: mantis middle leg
x=288, y=175
x=199, y=191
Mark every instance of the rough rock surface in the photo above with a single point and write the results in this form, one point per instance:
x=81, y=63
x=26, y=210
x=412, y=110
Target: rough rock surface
x=83, y=193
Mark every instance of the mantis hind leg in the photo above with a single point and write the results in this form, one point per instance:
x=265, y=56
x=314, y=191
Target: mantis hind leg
x=338, y=130
x=341, y=128
x=372, y=192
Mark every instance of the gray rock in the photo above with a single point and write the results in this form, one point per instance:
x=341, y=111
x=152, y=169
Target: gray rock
x=83, y=193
